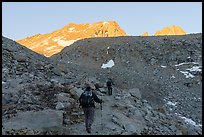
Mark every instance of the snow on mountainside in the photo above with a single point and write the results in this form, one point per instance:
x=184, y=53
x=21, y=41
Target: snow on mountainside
x=51, y=43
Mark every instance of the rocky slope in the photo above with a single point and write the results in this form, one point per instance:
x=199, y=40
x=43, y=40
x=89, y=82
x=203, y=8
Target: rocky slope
x=166, y=69
x=157, y=86
x=51, y=43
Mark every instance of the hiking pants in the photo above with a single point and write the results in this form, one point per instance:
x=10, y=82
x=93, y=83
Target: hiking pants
x=89, y=116
x=109, y=90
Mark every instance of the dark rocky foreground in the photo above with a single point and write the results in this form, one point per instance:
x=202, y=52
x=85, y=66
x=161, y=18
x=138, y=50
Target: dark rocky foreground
x=158, y=86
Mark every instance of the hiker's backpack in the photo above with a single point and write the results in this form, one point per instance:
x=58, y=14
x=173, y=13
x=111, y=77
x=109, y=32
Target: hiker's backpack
x=109, y=83
x=86, y=100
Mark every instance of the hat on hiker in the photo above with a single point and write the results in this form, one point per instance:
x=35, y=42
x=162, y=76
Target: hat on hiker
x=88, y=88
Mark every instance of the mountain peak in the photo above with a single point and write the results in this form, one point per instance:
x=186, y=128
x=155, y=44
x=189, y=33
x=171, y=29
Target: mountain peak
x=145, y=34
x=173, y=30
x=51, y=43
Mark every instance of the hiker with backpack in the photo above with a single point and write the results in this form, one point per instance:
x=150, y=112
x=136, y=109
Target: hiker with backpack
x=109, y=84
x=87, y=101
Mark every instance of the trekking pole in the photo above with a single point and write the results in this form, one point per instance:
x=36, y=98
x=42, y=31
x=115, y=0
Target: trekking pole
x=101, y=115
x=101, y=109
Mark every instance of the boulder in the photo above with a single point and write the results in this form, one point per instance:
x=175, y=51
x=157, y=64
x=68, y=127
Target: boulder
x=76, y=92
x=61, y=106
x=63, y=97
x=41, y=120
x=130, y=128
x=135, y=92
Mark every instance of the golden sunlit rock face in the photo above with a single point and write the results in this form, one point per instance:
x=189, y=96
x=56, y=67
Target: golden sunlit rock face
x=145, y=34
x=51, y=43
x=173, y=30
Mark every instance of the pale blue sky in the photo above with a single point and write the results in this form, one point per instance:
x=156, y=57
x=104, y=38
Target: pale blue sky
x=23, y=19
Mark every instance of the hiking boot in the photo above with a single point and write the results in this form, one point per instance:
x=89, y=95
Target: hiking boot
x=88, y=130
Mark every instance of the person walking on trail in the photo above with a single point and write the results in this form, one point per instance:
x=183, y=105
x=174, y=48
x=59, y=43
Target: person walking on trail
x=109, y=84
x=87, y=101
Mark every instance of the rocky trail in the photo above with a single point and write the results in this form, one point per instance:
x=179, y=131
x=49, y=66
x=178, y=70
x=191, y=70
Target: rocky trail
x=105, y=122
x=125, y=113
x=101, y=119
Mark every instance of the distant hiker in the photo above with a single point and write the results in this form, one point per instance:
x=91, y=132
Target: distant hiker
x=87, y=101
x=109, y=84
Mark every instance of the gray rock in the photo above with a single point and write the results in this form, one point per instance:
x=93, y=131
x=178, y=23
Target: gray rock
x=130, y=128
x=173, y=128
x=110, y=126
x=103, y=90
x=61, y=106
x=20, y=57
x=40, y=120
x=63, y=97
x=135, y=93
x=14, y=82
x=193, y=130
x=10, y=95
x=76, y=92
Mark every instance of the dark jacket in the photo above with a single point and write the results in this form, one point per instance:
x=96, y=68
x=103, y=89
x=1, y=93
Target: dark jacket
x=109, y=83
x=95, y=98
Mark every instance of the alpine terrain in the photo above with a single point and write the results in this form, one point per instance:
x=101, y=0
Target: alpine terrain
x=157, y=84
x=51, y=43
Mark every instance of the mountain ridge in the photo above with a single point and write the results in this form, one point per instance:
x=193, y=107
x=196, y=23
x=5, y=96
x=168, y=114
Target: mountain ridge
x=172, y=30
x=51, y=43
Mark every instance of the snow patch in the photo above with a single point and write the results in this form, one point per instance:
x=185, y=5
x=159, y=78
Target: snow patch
x=35, y=45
x=71, y=29
x=56, y=50
x=189, y=121
x=108, y=49
x=65, y=43
x=45, y=55
x=163, y=66
x=195, y=68
x=171, y=103
x=57, y=39
x=49, y=48
x=186, y=63
x=90, y=25
x=187, y=74
x=109, y=64
x=105, y=22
